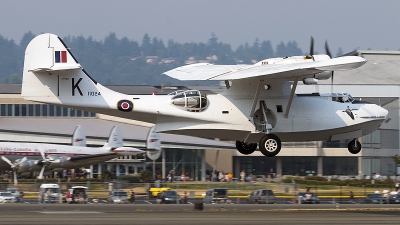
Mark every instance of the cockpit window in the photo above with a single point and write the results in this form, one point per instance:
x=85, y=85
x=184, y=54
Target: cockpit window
x=342, y=97
x=191, y=100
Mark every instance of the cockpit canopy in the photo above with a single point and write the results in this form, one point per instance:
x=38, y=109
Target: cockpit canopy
x=191, y=100
x=342, y=97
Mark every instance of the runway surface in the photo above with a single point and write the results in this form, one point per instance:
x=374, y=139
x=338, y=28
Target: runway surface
x=186, y=214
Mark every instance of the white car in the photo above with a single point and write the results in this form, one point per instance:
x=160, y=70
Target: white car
x=7, y=197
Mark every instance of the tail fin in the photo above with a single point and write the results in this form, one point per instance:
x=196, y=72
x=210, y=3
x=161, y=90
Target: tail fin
x=153, y=144
x=53, y=75
x=115, y=140
x=79, y=137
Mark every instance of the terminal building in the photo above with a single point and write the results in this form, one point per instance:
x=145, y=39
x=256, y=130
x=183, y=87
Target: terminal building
x=376, y=82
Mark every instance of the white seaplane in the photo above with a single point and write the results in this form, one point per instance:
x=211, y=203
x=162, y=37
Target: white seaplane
x=259, y=107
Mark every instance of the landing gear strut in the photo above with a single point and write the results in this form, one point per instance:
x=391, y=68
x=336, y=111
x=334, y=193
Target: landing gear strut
x=246, y=148
x=270, y=145
x=354, y=146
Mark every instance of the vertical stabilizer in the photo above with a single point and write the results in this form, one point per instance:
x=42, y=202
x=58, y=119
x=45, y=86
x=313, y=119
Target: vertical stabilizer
x=115, y=139
x=153, y=144
x=153, y=140
x=79, y=137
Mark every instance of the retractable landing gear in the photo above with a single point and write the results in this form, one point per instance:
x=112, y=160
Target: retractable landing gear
x=246, y=148
x=270, y=145
x=354, y=146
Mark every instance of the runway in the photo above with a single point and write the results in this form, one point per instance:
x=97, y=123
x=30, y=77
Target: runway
x=186, y=214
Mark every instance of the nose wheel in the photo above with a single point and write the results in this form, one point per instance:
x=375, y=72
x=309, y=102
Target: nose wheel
x=354, y=146
x=270, y=145
x=246, y=148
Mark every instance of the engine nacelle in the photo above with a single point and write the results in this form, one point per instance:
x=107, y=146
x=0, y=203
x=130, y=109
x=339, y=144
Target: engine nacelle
x=309, y=80
x=29, y=166
x=323, y=75
x=54, y=161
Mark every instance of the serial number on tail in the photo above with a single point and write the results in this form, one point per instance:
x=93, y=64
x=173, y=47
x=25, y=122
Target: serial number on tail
x=93, y=93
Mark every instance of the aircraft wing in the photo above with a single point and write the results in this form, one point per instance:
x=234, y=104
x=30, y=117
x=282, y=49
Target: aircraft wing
x=93, y=158
x=205, y=71
x=120, y=151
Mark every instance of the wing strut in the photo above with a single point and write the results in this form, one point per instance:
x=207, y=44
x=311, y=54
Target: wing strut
x=291, y=97
x=255, y=100
x=227, y=84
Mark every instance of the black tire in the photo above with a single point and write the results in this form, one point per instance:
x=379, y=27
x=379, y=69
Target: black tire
x=270, y=145
x=352, y=148
x=246, y=148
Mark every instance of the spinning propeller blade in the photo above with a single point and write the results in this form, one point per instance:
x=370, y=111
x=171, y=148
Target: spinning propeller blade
x=44, y=162
x=41, y=172
x=328, y=52
x=311, y=46
x=15, y=179
x=14, y=167
x=7, y=160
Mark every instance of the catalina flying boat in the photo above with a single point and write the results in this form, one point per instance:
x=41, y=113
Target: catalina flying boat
x=259, y=108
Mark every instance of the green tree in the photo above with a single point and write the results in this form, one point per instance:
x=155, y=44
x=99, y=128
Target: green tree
x=266, y=50
x=146, y=46
x=106, y=175
x=146, y=175
x=281, y=50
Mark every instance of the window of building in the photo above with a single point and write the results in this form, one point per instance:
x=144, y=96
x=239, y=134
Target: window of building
x=41, y=110
x=372, y=140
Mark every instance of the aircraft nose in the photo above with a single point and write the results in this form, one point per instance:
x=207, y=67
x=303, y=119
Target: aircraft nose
x=375, y=111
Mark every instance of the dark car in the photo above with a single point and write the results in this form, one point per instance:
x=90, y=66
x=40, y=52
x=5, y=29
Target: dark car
x=170, y=197
x=394, y=199
x=307, y=198
x=118, y=197
x=375, y=199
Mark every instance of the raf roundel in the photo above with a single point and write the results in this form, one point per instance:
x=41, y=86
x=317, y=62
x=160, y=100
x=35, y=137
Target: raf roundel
x=125, y=105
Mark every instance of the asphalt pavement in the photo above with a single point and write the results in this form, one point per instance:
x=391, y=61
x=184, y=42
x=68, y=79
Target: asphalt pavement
x=100, y=214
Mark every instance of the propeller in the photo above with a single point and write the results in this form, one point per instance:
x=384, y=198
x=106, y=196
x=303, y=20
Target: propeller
x=14, y=166
x=328, y=52
x=311, y=46
x=45, y=163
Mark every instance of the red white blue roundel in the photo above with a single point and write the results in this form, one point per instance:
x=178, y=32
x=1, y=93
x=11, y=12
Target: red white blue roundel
x=125, y=105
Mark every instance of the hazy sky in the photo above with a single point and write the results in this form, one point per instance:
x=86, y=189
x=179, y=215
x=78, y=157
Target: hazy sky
x=349, y=24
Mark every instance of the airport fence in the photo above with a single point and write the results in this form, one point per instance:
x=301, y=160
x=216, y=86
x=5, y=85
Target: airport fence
x=195, y=189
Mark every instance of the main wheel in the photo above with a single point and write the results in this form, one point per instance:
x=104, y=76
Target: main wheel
x=246, y=148
x=353, y=148
x=270, y=145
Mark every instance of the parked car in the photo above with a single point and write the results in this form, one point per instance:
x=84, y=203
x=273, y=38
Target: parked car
x=394, y=199
x=7, y=197
x=118, y=197
x=50, y=193
x=170, y=197
x=307, y=198
x=261, y=196
x=17, y=194
x=216, y=195
x=375, y=199
x=76, y=192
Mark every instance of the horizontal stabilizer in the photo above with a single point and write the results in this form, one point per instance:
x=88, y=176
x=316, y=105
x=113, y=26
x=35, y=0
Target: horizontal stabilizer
x=128, y=151
x=58, y=68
